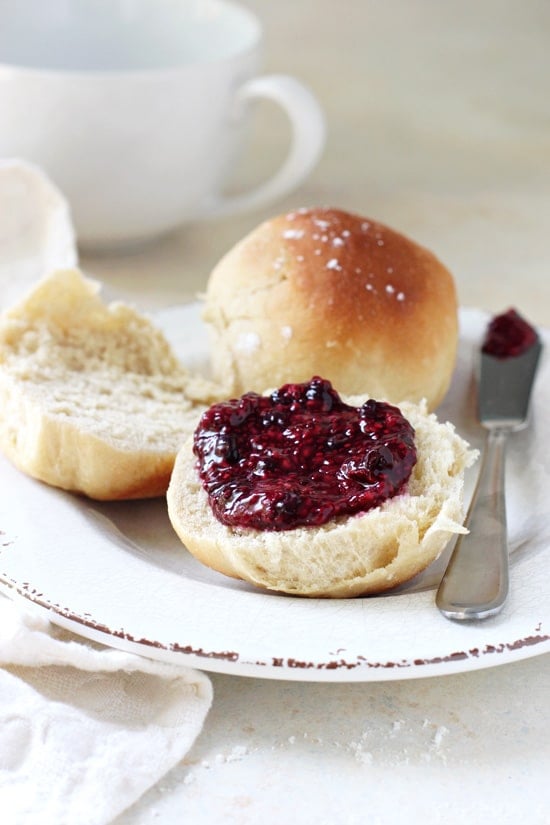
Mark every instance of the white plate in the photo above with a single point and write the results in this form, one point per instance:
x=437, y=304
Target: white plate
x=117, y=574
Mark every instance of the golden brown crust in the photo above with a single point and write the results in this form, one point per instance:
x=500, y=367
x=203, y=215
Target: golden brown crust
x=59, y=454
x=322, y=291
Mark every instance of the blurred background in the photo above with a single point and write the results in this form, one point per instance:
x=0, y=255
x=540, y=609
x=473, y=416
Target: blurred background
x=438, y=124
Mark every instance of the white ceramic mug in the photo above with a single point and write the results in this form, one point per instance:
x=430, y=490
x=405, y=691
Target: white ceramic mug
x=137, y=109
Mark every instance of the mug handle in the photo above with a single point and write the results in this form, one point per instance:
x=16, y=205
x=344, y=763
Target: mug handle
x=307, y=123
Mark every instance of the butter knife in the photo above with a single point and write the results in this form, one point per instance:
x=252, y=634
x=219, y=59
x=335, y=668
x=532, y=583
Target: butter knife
x=476, y=582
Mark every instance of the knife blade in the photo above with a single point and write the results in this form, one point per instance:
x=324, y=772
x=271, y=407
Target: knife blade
x=475, y=584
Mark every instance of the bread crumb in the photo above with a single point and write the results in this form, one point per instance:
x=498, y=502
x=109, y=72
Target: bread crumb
x=293, y=234
x=286, y=332
x=440, y=733
x=362, y=756
x=337, y=242
x=333, y=264
x=238, y=752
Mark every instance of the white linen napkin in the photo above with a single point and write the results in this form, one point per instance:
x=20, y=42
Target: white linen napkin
x=85, y=730
x=36, y=230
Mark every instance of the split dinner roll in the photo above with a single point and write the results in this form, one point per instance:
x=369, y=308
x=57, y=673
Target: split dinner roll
x=92, y=398
x=350, y=555
x=324, y=292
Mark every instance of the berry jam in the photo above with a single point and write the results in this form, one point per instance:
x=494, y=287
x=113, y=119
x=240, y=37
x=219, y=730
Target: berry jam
x=300, y=456
x=508, y=335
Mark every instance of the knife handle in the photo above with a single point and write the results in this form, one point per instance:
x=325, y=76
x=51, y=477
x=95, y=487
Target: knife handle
x=475, y=583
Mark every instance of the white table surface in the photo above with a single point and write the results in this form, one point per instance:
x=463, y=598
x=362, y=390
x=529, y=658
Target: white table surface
x=439, y=124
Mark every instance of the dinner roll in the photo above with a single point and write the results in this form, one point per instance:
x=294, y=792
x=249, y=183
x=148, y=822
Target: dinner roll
x=350, y=555
x=322, y=291
x=92, y=398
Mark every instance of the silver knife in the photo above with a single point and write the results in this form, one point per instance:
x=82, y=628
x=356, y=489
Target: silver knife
x=476, y=582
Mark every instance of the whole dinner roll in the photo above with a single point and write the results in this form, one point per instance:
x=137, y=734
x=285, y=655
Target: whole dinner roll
x=322, y=291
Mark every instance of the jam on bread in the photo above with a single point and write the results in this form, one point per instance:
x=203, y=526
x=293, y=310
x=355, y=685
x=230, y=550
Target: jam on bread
x=300, y=456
